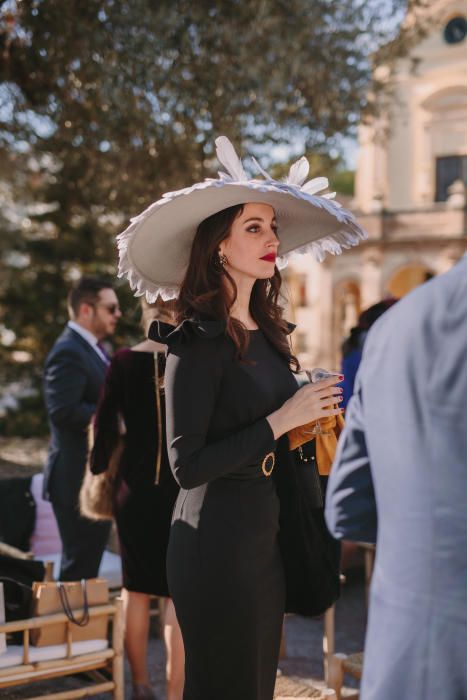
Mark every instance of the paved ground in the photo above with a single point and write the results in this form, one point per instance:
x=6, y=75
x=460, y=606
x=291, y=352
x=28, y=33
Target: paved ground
x=21, y=456
x=301, y=669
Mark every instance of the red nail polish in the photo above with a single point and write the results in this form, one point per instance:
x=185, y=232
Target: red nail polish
x=341, y=376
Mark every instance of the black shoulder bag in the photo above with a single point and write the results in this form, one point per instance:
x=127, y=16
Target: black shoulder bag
x=310, y=554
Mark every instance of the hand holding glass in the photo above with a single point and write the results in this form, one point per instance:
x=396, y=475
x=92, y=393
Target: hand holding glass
x=317, y=375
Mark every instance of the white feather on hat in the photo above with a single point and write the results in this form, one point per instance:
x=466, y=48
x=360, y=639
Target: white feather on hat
x=155, y=248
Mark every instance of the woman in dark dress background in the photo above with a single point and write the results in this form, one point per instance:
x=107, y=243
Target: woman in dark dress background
x=230, y=395
x=144, y=502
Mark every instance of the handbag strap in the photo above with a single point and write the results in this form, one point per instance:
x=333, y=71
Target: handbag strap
x=306, y=458
x=158, y=417
x=84, y=619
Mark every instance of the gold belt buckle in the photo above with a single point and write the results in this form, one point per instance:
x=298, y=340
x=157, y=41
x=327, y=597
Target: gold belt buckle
x=264, y=467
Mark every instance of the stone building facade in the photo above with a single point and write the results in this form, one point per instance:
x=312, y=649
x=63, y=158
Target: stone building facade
x=410, y=194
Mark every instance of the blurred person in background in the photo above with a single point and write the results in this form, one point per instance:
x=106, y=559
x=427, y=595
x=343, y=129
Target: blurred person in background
x=132, y=405
x=352, y=346
x=73, y=376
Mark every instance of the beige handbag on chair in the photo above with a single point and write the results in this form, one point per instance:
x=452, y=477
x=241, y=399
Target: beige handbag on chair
x=74, y=598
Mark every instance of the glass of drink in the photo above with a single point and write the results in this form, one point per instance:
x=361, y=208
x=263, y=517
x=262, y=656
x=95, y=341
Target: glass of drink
x=316, y=375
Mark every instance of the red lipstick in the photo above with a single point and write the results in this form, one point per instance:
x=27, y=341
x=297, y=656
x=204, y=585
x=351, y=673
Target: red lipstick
x=270, y=257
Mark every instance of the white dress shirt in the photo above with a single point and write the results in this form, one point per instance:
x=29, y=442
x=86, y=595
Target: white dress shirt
x=89, y=338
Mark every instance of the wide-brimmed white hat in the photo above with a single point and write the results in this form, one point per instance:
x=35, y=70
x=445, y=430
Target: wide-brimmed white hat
x=155, y=248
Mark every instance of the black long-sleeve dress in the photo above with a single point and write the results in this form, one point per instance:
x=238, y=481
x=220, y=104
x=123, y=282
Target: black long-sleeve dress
x=225, y=570
x=143, y=509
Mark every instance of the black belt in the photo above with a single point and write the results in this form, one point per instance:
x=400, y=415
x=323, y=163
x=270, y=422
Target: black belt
x=255, y=471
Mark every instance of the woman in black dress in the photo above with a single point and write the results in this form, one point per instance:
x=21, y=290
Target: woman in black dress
x=145, y=498
x=231, y=398
x=224, y=415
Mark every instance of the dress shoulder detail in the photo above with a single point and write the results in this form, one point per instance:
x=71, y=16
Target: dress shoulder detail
x=192, y=327
x=168, y=335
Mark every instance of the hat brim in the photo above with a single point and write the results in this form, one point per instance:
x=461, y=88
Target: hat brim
x=155, y=248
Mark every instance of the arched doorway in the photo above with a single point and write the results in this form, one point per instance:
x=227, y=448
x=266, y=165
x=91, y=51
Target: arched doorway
x=407, y=278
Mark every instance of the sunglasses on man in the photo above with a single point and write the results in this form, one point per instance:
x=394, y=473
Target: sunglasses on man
x=111, y=308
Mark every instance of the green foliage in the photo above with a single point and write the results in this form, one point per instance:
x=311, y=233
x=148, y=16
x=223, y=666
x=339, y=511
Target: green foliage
x=343, y=182
x=105, y=104
x=322, y=165
x=29, y=420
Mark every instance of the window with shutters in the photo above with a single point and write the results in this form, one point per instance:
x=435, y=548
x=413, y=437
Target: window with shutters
x=448, y=170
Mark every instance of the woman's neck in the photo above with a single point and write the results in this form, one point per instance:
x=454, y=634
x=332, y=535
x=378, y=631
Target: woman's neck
x=240, y=309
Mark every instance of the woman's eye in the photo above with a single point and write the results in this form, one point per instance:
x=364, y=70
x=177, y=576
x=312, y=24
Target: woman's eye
x=253, y=229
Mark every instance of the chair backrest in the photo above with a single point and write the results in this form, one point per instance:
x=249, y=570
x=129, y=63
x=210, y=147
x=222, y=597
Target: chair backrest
x=17, y=511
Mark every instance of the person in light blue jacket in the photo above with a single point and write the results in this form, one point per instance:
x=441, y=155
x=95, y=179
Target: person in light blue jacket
x=400, y=478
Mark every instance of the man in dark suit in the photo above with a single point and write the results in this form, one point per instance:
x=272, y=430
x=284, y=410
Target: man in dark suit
x=73, y=375
x=400, y=474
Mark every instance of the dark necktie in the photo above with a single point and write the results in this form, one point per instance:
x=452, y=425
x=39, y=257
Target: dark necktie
x=104, y=352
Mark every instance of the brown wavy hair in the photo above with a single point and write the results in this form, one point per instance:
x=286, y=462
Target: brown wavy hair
x=205, y=294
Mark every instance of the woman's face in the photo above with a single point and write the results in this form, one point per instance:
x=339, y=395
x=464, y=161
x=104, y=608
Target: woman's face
x=251, y=247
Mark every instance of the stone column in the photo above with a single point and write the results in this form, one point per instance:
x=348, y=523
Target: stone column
x=315, y=320
x=325, y=306
x=371, y=284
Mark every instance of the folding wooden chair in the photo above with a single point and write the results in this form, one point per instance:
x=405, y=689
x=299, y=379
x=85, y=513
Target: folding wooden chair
x=26, y=667
x=338, y=666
